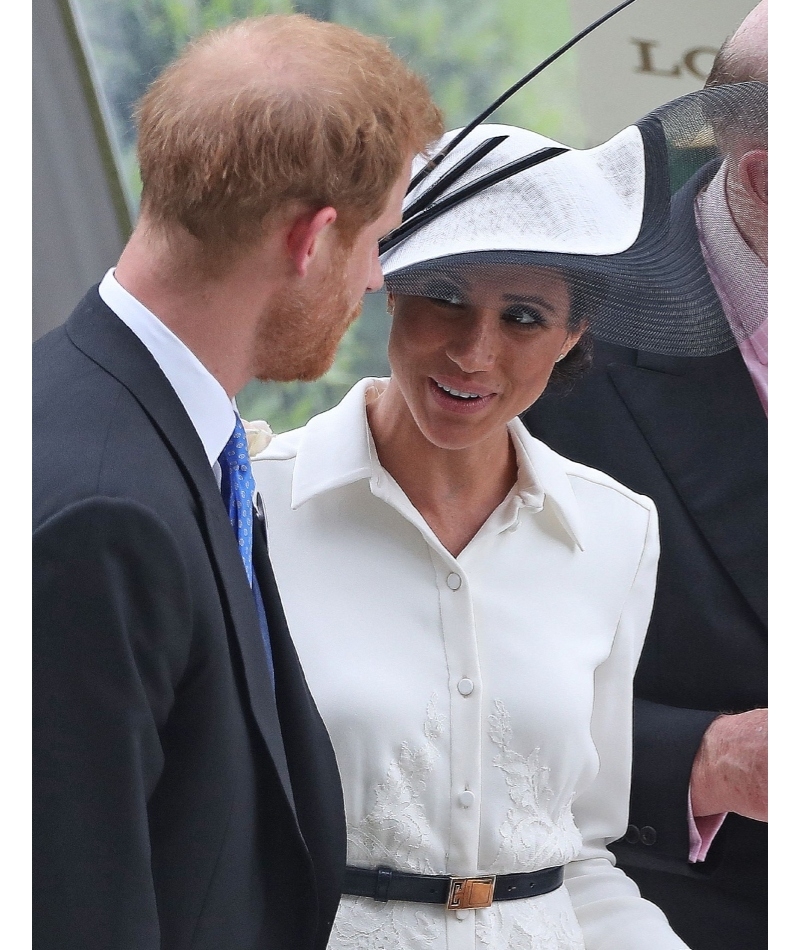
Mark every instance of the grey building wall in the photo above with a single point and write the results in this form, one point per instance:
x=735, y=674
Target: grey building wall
x=80, y=222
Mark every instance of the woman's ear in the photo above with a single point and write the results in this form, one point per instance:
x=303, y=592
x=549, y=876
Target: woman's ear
x=306, y=233
x=572, y=338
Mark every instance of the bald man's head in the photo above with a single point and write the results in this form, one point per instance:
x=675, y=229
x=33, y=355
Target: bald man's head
x=742, y=131
x=743, y=57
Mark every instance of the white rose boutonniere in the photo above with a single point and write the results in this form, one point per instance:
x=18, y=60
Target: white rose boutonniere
x=259, y=435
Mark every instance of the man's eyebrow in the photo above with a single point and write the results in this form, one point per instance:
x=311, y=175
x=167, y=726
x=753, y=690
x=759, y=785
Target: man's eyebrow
x=391, y=227
x=397, y=222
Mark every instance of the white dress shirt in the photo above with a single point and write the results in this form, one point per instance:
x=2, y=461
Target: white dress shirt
x=480, y=705
x=206, y=403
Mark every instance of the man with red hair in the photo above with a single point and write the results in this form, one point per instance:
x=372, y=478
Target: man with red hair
x=185, y=789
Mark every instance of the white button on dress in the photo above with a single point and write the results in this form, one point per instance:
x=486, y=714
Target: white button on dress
x=453, y=581
x=465, y=686
x=466, y=798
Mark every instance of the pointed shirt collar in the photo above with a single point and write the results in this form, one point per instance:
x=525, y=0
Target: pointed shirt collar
x=336, y=448
x=738, y=274
x=211, y=412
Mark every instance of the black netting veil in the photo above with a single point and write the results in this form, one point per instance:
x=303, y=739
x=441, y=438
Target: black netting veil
x=637, y=223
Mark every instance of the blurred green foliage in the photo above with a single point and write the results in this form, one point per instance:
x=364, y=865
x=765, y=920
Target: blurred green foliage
x=468, y=52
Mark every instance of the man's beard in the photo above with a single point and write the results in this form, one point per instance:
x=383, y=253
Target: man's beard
x=320, y=359
x=304, y=329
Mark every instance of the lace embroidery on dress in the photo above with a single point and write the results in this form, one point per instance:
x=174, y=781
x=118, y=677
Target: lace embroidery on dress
x=531, y=836
x=545, y=923
x=395, y=832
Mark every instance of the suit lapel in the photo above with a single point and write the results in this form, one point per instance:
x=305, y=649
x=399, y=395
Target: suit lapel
x=684, y=408
x=291, y=688
x=311, y=759
x=287, y=663
x=99, y=333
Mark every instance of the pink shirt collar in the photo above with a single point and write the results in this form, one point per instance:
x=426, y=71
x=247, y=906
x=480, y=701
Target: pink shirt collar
x=739, y=277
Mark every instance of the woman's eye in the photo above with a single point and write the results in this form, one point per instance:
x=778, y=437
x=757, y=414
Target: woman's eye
x=524, y=316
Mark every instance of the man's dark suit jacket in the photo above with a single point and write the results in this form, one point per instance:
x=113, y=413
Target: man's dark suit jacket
x=180, y=801
x=691, y=434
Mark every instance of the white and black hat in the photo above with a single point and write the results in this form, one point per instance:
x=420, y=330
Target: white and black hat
x=619, y=217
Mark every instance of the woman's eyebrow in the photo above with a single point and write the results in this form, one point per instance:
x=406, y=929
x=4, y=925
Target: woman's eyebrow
x=449, y=280
x=524, y=298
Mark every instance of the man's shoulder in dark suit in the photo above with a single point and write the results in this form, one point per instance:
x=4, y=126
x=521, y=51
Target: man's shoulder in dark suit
x=176, y=829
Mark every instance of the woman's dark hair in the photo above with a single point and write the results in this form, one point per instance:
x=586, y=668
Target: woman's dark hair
x=586, y=295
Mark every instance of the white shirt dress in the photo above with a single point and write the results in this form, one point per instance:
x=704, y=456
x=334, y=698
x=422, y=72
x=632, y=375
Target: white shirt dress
x=480, y=705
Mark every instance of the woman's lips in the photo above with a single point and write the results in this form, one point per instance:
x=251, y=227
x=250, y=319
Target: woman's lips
x=462, y=398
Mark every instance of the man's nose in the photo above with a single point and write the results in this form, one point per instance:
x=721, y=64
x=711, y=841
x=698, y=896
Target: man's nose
x=375, y=278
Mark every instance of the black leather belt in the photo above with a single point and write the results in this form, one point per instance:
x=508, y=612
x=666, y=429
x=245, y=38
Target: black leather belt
x=457, y=893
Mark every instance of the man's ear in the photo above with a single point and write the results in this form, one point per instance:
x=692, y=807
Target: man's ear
x=753, y=173
x=306, y=233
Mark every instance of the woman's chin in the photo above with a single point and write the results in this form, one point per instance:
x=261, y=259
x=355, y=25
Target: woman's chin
x=459, y=433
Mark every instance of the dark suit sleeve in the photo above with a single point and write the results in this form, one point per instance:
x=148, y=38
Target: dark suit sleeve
x=111, y=610
x=666, y=739
x=704, y=651
x=593, y=427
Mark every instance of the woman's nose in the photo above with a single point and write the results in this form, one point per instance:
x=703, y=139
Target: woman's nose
x=474, y=344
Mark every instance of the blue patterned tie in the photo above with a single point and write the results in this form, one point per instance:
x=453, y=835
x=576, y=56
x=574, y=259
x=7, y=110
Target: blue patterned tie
x=238, y=487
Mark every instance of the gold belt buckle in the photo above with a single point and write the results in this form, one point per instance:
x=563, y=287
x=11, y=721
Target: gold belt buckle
x=470, y=893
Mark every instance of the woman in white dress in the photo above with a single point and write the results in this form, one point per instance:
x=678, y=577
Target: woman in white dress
x=468, y=606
